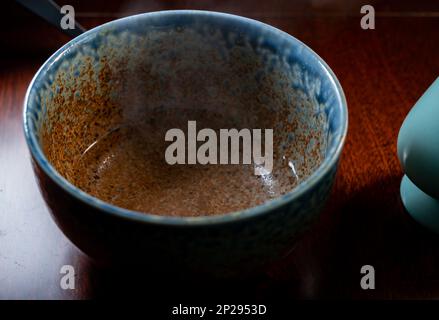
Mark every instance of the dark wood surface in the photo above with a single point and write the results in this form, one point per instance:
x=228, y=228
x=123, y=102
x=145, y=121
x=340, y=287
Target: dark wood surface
x=383, y=73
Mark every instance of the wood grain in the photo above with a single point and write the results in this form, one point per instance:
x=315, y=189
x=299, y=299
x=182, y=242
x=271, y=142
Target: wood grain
x=383, y=73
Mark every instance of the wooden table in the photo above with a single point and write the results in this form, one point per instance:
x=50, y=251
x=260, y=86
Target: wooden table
x=383, y=72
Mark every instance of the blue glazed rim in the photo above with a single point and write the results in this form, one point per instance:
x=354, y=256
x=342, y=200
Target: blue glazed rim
x=309, y=183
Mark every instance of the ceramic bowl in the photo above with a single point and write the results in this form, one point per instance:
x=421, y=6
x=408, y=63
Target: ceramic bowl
x=172, y=58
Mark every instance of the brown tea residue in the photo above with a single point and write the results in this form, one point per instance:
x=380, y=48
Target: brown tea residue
x=127, y=167
x=105, y=119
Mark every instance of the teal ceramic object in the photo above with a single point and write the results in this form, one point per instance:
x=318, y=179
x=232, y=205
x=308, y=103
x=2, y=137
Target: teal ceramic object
x=418, y=152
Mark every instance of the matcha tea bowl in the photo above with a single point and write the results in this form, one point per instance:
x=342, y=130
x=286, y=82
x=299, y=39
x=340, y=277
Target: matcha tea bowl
x=98, y=113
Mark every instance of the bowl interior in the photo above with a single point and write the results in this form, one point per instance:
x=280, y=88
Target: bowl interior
x=102, y=107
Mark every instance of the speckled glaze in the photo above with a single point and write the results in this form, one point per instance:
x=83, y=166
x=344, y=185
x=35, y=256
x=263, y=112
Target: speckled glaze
x=79, y=94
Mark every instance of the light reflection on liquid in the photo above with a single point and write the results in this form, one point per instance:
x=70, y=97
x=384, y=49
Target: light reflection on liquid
x=293, y=169
x=267, y=180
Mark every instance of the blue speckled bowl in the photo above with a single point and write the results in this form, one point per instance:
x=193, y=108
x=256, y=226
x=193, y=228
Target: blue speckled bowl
x=219, y=244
